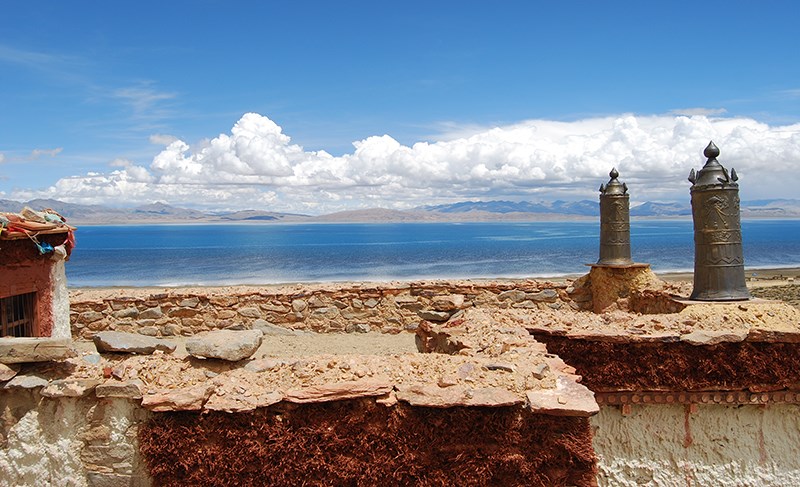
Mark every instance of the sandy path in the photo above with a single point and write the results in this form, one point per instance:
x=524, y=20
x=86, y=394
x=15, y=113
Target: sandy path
x=373, y=343
x=306, y=344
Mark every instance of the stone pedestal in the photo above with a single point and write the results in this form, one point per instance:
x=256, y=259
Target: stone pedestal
x=612, y=283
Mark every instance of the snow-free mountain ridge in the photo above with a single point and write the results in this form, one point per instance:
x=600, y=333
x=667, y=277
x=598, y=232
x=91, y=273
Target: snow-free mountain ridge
x=463, y=211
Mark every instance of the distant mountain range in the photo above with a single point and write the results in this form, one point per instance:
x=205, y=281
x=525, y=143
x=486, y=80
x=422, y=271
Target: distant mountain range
x=152, y=213
x=580, y=208
x=457, y=212
x=779, y=208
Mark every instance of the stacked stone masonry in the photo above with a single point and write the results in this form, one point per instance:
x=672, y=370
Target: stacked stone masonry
x=70, y=440
x=388, y=308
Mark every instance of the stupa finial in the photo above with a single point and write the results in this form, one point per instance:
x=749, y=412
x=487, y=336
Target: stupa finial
x=711, y=151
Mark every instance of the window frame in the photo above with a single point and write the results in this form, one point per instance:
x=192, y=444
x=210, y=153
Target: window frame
x=19, y=312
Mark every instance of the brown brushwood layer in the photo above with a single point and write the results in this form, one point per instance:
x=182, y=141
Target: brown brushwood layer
x=604, y=366
x=361, y=443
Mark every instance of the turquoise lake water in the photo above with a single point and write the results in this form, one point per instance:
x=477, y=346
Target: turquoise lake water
x=159, y=255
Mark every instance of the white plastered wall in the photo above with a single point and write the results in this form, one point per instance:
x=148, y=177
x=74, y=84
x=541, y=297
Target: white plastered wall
x=58, y=279
x=716, y=445
x=69, y=442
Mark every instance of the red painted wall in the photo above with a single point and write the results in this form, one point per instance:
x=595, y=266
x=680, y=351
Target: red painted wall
x=23, y=270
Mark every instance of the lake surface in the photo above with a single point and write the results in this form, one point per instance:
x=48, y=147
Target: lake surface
x=171, y=255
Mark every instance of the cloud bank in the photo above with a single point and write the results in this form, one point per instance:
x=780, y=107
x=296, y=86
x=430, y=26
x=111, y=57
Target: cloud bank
x=256, y=165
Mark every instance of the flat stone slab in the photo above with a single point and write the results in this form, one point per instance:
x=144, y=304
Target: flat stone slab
x=433, y=315
x=7, y=372
x=231, y=345
x=238, y=403
x=131, y=389
x=339, y=391
x=568, y=399
x=185, y=399
x=27, y=350
x=117, y=341
x=26, y=381
x=70, y=388
x=711, y=337
x=778, y=336
x=445, y=397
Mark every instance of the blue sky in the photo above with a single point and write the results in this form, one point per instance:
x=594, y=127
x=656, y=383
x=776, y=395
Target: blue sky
x=129, y=103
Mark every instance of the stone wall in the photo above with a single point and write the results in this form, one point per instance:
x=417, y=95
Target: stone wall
x=69, y=441
x=389, y=308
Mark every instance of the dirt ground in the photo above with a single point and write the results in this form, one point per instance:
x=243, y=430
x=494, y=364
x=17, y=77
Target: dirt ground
x=755, y=277
x=789, y=293
x=308, y=344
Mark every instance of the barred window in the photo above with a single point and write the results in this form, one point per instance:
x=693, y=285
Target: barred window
x=17, y=317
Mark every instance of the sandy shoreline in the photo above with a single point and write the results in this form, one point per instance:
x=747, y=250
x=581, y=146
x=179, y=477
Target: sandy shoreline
x=756, y=277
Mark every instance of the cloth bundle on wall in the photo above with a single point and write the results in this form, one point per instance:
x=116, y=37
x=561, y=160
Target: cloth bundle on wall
x=30, y=223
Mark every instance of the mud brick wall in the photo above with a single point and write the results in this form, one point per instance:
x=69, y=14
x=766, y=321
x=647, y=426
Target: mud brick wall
x=388, y=308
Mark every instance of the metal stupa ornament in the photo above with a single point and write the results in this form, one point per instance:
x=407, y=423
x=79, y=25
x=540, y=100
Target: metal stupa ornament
x=718, y=257
x=615, y=226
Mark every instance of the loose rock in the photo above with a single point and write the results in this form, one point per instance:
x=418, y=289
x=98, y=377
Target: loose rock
x=263, y=365
x=225, y=344
x=358, y=328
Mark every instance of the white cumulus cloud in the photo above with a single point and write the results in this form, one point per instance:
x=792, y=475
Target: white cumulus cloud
x=257, y=166
x=162, y=139
x=698, y=111
x=120, y=162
